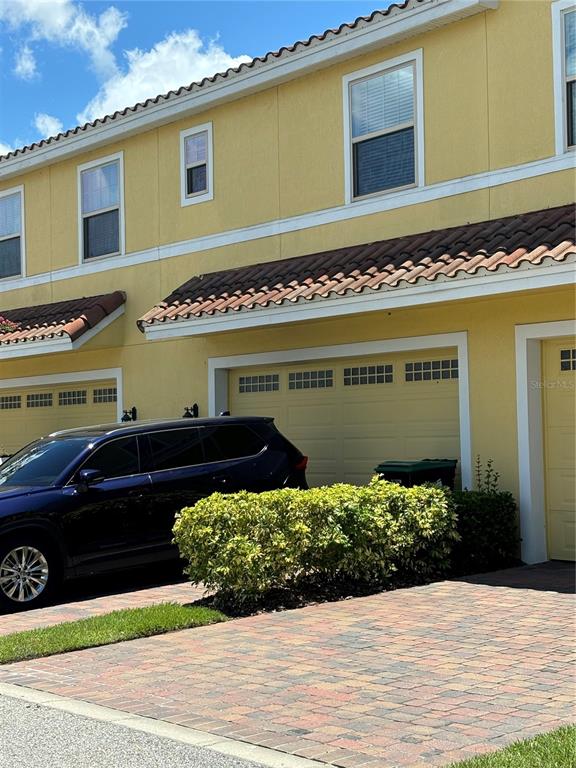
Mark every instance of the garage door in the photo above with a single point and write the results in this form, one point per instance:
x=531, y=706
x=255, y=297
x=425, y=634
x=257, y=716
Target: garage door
x=349, y=415
x=30, y=412
x=559, y=379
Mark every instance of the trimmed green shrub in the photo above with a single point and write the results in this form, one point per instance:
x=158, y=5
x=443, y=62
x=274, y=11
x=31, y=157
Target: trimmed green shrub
x=487, y=525
x=488, y=528
x=244, y=545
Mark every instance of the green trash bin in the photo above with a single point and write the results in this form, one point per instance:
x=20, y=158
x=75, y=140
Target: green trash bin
x=420, y=471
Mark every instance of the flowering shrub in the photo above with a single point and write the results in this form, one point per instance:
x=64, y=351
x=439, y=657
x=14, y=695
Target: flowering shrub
x=7, y=326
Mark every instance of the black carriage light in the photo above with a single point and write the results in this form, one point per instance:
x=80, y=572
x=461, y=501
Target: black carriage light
x=130, y=415
x=191, y=412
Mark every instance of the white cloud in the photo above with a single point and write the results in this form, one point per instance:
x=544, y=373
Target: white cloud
x=66, y=23
x=25, y=63
x=5, y=148
x=46, y=125
x=178, y=59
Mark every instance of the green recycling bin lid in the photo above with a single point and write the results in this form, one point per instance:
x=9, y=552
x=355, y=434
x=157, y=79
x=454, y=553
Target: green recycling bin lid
x=408, y=467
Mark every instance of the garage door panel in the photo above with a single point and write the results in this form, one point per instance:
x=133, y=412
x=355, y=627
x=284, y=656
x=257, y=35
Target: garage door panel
x=321, y=415
x=561, y=451
x=349, y=427
x=559, y=416
x=44, y=409
x=366, y=449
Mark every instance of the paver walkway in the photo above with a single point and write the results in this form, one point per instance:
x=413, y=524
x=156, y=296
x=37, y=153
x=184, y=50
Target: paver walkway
x=417, y=677
x=182, y=592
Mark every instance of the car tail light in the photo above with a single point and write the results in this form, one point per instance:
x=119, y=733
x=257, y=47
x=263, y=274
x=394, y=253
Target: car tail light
x=302, y=463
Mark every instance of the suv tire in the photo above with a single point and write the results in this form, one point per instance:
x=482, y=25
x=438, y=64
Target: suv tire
x=30, y=572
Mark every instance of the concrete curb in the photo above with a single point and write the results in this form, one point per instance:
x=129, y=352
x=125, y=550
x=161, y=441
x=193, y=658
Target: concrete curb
x=240, y=749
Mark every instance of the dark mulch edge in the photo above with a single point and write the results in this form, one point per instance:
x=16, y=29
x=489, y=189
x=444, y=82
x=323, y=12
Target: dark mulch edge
x=308, y=593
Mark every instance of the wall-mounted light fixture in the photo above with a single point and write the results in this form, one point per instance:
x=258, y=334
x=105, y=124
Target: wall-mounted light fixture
x=191, y=411
x=130, y=415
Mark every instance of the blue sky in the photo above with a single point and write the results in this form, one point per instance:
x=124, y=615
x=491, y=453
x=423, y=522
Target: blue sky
x=63, y=62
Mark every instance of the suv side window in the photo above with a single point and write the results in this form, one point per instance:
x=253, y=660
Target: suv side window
x=175, y=448
x=231, y=441
x=118, y=458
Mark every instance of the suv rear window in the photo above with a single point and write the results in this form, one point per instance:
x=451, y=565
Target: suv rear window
x=231, y=441
x=174, y=448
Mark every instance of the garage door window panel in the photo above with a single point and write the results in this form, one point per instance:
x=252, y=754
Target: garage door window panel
x=568, y=360
x=39, y=400
x=368, y=374
x=10, y=402
x=323, y=379
x=105, y=395
x=259, y=383
x=74, y=397
x=431, y=370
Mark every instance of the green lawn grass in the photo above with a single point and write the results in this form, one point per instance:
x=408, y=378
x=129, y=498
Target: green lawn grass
x=111, y=627
x=556, y=749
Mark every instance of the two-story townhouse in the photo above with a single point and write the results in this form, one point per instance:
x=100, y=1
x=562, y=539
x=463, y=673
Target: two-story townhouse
x=368, y=235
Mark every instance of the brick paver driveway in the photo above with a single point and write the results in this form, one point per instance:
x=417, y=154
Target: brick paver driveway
x=416, y=677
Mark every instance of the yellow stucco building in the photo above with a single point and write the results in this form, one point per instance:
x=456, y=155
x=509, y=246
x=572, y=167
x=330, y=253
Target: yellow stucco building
x=368, y=235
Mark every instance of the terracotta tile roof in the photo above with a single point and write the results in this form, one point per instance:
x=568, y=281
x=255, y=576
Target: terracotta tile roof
x=517, y=242
x=63, y=318
x=206, y=82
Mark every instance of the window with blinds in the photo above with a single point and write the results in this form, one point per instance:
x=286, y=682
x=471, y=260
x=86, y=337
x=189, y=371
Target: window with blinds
x=382, y=129
x=100, y=203
x=10, y=234
x=570, y=76
x=196, y=164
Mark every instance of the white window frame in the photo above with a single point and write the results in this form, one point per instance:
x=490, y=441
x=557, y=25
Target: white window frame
x=7, y=193
x=119, y=158
x=198, y=197
x=414, y=58
x=559, y=8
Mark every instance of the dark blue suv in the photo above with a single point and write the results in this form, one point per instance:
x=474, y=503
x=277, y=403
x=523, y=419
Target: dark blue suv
x=104, y=498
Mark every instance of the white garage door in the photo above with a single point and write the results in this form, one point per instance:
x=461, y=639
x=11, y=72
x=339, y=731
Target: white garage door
x=30, y=412
x=349, y=415
x=559, y=394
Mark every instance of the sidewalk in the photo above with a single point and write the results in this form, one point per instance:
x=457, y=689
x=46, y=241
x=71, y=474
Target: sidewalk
x=416, y=677
x=182, y=592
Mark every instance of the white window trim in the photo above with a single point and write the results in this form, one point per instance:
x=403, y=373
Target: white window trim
x=6, y=193
x=558, y=9
x=218, y=368
x=415, y=58
x=531, y=468
x=117, y=157
x=200, y=197
x=54, y=379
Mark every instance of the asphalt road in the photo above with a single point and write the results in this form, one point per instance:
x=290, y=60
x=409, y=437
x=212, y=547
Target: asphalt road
x=33, y=735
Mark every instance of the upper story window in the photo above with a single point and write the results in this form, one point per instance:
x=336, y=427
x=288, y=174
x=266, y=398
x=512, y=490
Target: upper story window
x=196, y=177
x=383, y=126
x=101, y=208
x=570, y=75
x=564, y=48
x=11, y=233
